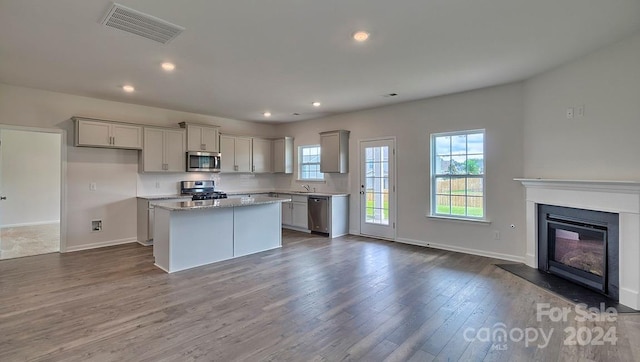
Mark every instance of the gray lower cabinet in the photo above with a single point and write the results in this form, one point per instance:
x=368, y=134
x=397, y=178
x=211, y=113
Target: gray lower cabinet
x=338, y=218
x=294, y=213
x=145, y=217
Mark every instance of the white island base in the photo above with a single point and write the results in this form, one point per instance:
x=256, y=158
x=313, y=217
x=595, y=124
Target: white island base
x=186, y=237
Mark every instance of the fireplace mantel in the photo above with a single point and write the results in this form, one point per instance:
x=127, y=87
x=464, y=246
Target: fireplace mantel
x=621, y=197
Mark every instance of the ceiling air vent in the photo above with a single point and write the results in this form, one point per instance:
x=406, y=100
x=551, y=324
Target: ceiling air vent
x=144, y=25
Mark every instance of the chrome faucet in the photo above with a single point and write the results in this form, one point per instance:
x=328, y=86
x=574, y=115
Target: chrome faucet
x=306, y=187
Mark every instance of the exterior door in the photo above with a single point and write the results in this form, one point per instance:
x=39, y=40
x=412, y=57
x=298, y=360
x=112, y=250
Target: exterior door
x=377, y=188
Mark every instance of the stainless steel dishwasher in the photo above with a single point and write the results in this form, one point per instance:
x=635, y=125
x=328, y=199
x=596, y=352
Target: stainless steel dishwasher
x=318, y=214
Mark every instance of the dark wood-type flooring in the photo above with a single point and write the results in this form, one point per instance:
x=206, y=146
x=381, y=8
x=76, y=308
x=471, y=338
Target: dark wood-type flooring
x=350, y=298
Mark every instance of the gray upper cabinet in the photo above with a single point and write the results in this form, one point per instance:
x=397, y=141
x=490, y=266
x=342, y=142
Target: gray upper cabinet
x=164, y=150
x=201, y=137
x=262, y=150
x=106, y=134
x=235, y=154
x=334, y=151
x=283, y=155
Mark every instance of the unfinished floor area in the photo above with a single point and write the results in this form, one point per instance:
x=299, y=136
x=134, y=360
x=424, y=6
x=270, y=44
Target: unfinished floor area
x=351, y=298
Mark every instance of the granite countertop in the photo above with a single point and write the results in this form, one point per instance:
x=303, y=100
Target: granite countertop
x=312, y=193
x=164, y=197
x=288, y=192
x=219, y=203
x=250, y=192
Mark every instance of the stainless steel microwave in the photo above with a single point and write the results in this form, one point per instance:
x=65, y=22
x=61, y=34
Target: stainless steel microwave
x=203, y=162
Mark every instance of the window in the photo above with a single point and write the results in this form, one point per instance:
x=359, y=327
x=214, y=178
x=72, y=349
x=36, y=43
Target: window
x=309, y=163
x=457, y=174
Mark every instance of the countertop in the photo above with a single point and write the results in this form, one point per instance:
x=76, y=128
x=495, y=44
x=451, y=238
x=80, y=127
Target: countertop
x=164, y=197
x=219, y=203
x=288, y=192
x=250, y=192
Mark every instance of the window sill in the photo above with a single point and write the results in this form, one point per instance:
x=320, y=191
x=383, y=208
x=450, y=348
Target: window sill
x=459, y=219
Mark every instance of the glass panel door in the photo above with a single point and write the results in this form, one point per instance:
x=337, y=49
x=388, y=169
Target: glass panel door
x=377, y=188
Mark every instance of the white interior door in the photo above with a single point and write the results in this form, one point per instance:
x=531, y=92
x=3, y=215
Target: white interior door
x=377, y=188
x=30, y=221
x=2, y=196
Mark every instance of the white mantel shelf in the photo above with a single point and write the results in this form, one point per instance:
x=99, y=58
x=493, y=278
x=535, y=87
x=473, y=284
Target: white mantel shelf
x=620, y=197
x=595, y=185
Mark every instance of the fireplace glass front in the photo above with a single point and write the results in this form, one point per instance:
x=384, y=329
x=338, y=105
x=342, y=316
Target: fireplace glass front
x=580, y=250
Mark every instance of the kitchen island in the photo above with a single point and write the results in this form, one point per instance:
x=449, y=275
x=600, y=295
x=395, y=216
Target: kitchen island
x=188, y=234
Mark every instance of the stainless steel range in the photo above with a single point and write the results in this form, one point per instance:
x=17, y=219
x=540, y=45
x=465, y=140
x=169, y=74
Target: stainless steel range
x=201, y=190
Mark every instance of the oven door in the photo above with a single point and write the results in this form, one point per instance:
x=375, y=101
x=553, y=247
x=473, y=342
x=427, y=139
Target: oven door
x=203, y=162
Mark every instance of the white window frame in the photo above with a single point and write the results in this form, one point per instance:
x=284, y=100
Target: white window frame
x=433, y=186
x=301, y=164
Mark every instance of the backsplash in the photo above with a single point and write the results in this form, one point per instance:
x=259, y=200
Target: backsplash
x=168, y=184
x=332, y=183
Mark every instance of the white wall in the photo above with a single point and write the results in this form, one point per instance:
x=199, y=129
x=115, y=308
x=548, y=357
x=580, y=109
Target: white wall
x=114, y=171
x=498, y=110
x=603, y=145
x=30, y=177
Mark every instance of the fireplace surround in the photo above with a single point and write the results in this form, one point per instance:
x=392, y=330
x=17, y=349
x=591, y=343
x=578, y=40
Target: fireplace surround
x=617, y=197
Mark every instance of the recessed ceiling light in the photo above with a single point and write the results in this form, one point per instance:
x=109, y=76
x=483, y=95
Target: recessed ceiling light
x=267, y=114
x=168, y=66
x=361, y=36
x=128, y=88
x=316, y=104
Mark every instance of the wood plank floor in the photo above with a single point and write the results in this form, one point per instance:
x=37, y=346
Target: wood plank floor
x=350, y=298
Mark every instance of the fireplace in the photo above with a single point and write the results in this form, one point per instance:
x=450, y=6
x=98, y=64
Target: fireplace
x=580, y=245
x=621, y=198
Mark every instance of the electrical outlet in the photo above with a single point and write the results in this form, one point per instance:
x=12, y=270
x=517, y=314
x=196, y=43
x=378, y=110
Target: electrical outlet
x=157, y=184
x=496, y=234
x=570, y=113
x=93, y=186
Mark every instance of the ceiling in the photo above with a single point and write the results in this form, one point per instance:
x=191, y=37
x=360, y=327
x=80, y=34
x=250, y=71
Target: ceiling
x=238, y=59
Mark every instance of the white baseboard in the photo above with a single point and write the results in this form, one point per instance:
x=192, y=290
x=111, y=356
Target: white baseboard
x=30, y=224
x=489, y=254
x=100, y=244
